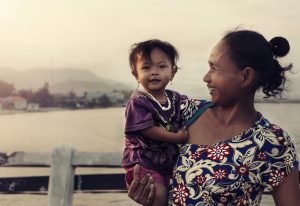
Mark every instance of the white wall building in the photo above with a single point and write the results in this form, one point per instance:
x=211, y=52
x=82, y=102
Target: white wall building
x=15, y=102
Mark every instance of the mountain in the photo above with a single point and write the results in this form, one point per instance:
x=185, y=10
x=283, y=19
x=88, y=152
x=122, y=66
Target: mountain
x=60, y=80
x=79, y=87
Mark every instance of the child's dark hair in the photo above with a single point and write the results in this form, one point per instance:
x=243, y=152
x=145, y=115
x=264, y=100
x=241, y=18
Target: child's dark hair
x=251, y=49
x=145, y=48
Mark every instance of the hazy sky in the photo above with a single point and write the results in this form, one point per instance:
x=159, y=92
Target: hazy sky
x=97, y=34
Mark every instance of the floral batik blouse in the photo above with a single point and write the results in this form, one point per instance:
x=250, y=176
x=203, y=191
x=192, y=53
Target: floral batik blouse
x=232, y=172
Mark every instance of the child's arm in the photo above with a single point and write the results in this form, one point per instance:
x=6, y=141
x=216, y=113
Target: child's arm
x=158, y=133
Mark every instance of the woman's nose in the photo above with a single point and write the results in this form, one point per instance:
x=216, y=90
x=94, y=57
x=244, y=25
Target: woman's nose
x=206, y=77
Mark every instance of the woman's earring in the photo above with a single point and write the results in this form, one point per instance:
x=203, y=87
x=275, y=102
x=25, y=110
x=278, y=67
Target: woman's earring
x=170, y=82
x=138, y=86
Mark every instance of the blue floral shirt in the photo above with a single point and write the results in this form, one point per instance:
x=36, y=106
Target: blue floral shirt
x=232, y=172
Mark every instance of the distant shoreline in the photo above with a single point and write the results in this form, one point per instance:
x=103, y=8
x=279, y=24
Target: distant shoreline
x=51, y=109
x=47, y=109
x=280, y=101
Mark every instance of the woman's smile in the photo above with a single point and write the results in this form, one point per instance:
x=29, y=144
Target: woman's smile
x=211, y=90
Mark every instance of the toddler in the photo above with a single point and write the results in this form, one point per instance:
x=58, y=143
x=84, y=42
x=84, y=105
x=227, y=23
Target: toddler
x=153, y=116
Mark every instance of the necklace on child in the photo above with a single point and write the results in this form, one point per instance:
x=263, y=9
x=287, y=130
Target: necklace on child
x=155, y=100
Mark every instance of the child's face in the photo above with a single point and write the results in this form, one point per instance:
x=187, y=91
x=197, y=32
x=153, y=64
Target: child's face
x=154, y=75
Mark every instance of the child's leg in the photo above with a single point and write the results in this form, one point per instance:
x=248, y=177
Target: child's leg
x=160, y=195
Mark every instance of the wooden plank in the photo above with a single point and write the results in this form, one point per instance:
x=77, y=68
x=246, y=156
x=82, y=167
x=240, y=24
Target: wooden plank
x=100, y=159
x=61, y=182
x=28, y=159
x=80, y=159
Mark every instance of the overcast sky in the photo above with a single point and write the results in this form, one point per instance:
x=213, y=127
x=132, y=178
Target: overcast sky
x=97, y=34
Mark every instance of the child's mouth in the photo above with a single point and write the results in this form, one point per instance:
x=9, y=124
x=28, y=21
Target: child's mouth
x=154, y=81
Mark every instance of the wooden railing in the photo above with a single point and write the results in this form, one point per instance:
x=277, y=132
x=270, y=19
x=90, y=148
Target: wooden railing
x=62, y=181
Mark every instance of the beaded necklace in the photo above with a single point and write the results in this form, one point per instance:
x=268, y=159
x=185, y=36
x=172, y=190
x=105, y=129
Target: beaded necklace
x=155, y=100
x=163, y=117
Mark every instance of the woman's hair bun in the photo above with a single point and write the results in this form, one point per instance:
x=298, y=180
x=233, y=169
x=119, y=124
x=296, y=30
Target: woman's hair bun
x=280, y=46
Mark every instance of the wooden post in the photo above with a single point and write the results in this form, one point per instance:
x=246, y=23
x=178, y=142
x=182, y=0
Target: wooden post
x=61, y=182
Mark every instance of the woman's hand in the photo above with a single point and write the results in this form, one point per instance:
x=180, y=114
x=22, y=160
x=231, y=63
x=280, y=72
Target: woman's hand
x=141, y=191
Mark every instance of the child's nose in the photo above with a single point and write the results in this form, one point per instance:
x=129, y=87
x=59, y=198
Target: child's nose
x=155, y=70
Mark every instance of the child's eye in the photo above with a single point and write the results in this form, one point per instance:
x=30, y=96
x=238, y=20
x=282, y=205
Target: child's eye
x=162, y=66
x=145, y=67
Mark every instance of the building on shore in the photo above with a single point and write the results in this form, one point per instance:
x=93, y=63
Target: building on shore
x=14, y=102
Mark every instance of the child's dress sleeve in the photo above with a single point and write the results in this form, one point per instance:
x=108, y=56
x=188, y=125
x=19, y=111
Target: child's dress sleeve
x=139, y=114
x=191, y=109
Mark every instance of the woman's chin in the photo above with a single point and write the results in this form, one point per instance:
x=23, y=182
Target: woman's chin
x=214, y=100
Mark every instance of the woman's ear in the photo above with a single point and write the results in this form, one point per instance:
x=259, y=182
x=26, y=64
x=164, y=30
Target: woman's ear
x=248, y=77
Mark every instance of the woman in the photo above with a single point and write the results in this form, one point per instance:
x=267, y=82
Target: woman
x=233, y=153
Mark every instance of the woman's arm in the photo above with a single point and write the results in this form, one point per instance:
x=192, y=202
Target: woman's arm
x=287, y=193
x=141, y=191
x=160, y=134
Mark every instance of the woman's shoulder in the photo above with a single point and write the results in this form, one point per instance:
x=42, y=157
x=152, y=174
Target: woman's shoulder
x=270, y=133
x=264, y=125
x=275, y=148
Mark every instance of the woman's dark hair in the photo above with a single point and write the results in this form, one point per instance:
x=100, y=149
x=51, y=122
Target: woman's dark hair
x=145, y=48
x=251, y=49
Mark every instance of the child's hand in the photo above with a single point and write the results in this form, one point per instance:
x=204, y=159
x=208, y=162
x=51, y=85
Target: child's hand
x=182, y=135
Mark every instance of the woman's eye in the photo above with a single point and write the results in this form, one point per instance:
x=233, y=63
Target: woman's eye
x=162, y=66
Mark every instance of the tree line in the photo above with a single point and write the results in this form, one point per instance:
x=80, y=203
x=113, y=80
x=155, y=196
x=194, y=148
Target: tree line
x=45, y=99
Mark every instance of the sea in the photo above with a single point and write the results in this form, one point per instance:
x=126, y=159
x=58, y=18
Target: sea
x=95, y=130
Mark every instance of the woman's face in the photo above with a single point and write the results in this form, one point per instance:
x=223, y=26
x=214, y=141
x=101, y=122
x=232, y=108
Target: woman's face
x=223, y=78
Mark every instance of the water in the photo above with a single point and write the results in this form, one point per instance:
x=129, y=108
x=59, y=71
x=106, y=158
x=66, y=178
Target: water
x=95, y=130
x=87, y=130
